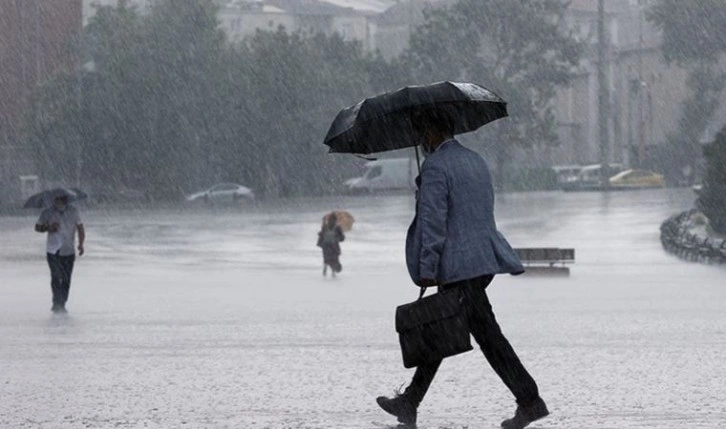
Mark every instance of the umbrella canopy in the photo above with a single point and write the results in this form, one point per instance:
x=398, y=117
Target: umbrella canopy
x=44, y=199
x=383, y=122
x=343, y=218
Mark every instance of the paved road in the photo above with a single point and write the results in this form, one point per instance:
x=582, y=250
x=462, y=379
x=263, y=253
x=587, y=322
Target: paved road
x=223, y=320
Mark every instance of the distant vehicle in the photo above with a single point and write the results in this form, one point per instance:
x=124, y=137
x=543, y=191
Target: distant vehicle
x=637, y=179
x=589, y=178
x=223, y=193
x=385, y=175
x=566, y=173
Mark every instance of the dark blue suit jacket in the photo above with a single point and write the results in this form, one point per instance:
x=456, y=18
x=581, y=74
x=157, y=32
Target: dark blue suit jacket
x=454, y=236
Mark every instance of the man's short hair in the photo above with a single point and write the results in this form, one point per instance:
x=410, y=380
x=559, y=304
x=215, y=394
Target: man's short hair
x=433, y=119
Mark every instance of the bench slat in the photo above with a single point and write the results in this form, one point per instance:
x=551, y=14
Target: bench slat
x=546, y=255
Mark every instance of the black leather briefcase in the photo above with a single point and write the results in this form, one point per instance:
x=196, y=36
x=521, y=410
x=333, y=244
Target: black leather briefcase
x=432, y=328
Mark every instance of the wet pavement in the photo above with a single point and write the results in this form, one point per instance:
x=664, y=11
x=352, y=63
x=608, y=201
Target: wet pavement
x=222, y=319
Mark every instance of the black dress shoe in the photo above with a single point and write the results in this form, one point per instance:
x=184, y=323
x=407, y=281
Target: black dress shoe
x=526, y=415
x=399, y=407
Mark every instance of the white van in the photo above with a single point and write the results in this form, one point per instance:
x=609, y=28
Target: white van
x=588, y=179
x=385, y=175
x=590, y=174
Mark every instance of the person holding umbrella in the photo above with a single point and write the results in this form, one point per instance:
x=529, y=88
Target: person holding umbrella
x=329, y=238
x=452, y=242
x=60, y=222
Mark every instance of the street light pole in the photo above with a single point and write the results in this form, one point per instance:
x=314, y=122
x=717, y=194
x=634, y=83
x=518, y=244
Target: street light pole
x=603, y=94
x=81, y=124
x=641, y=90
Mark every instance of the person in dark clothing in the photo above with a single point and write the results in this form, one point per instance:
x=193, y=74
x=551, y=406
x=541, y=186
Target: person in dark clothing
x=61, y=222
x=453, y=243
x=329, y=239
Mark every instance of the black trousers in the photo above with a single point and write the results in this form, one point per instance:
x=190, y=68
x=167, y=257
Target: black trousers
x=497, y=350
x=61, y=268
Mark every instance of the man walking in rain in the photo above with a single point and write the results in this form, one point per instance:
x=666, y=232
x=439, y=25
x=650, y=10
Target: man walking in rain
x=60, y=222
x=453, y=243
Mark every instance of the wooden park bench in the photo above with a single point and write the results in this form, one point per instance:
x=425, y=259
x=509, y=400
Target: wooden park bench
x=546, y=260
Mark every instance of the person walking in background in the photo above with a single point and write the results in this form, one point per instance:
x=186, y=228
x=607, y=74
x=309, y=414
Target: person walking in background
x=329, y=239
x=453, y=243
x=60, y=222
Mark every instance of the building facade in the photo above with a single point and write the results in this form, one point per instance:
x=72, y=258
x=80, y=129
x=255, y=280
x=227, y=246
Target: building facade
x=644, y=93
x=351, y=20
x=36, y=42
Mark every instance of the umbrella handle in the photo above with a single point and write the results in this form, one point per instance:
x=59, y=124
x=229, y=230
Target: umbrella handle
x=418, y=161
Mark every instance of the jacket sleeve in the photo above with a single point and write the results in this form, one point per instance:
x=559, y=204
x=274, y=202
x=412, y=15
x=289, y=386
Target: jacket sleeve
x=433, y=211
x=339, y=233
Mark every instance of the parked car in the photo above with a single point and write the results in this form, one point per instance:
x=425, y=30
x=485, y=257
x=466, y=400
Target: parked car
x=638, y=179
x=589, y=178
x=223, y=193
x=566, y=173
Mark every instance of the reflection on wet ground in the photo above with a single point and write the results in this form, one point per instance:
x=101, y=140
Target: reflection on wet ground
x=213, y=319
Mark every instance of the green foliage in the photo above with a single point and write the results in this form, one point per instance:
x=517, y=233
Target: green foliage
x=693, y=30
x=56, y=136
x=298, y=84
x=517, y=48
x=712, y=198
x=693, y=37
x=171, y=107
x=705, y=86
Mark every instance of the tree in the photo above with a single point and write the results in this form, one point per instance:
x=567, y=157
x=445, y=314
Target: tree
x=693, y=38
x=712, y=198
x=145, y=111
x=692, y=31
x=298, y=84
x=52, y=128
x=171, y=107
x=519, y=49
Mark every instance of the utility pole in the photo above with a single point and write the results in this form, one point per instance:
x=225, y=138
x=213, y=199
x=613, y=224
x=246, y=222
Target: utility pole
x=603, y=94
x=641, y=89
x=410, y=19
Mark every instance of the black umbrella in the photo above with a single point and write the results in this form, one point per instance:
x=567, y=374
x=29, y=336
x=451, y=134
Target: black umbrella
x=44, y=199
x=383, y=122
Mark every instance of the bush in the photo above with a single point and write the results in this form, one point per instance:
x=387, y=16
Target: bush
x=712, y=198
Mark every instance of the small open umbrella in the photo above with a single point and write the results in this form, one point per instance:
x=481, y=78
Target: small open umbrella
x=44, y=199
x=383, y=122
x=343, y=218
